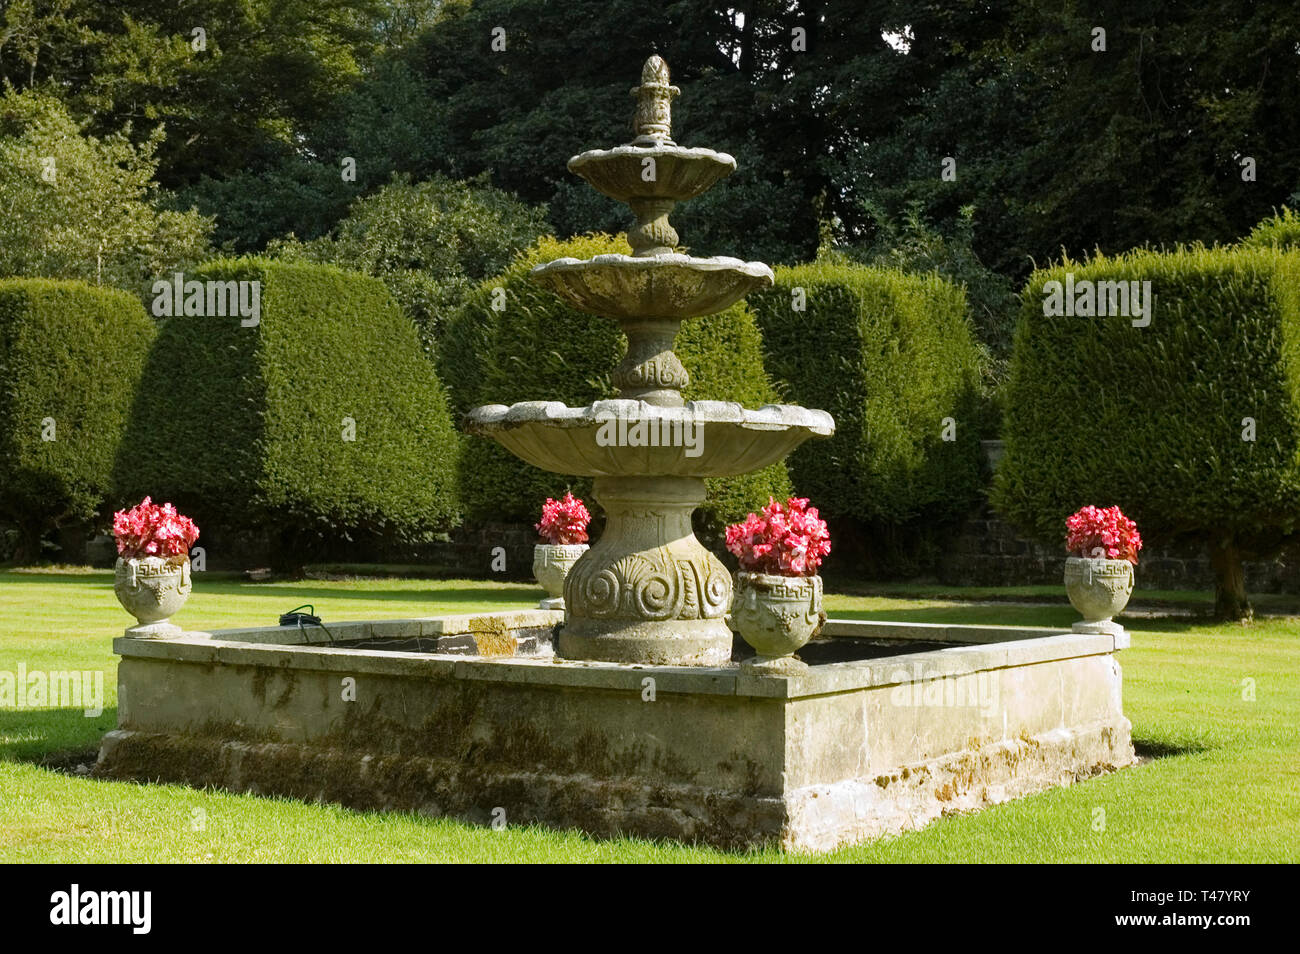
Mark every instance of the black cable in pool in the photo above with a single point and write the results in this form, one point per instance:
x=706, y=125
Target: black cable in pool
x=294, y=617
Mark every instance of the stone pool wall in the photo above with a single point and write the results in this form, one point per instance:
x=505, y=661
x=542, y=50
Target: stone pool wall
x=850, y=750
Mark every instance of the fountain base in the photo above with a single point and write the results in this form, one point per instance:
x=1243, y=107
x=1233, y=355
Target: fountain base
x=687, y=642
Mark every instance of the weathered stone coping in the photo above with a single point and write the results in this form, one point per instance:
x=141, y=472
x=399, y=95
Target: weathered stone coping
x=452, y=625
x=990, y=648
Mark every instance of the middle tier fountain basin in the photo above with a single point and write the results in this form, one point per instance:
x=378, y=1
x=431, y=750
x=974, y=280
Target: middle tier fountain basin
x=623, y=438
x=656, y=286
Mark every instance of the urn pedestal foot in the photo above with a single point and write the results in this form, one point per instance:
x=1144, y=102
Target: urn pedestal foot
x=774, y=666
x=1106, y=626
x=159, y=629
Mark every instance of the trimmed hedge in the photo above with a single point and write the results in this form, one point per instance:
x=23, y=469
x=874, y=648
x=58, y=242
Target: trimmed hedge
x=243, y=427
x=1152, y=418
x=1281, y=230
x=538, y=348
x=72, y=353
x=890, y=356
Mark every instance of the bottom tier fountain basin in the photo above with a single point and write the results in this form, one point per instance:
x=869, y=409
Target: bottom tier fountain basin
x=474, y=717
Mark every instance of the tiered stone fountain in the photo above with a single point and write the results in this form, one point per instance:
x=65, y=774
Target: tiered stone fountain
x=648, y=591
x=636, y=722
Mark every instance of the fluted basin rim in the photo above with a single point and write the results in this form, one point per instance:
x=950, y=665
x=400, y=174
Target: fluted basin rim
x=623, y=437
x=769, y=417
x=641, y=152
x=715, y=263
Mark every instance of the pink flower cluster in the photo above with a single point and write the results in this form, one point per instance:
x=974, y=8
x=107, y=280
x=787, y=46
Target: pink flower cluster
x=1094, y=533
x=148, y=529
x=787, y=539
x=564, y=522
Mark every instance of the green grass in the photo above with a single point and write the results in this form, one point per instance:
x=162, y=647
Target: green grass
x=1193, y=600
x=1225, y=785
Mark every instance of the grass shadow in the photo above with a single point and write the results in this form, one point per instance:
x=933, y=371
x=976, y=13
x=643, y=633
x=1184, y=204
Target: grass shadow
x=1011, y=615
x=33, y=735
x=1163, y=749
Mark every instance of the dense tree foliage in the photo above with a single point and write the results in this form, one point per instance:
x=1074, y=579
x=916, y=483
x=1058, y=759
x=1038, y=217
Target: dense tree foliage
x=430, y=242
x=78, y=207
x=841, y=114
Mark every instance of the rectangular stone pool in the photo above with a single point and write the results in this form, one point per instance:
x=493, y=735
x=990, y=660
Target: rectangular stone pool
x=474, y=717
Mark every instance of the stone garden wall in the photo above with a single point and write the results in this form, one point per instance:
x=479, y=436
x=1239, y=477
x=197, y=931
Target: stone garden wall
x=988, y=551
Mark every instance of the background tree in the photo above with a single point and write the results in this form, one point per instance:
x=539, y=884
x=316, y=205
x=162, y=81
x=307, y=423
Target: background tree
x=1062, y=146
x=429, y=242
x=81, y=207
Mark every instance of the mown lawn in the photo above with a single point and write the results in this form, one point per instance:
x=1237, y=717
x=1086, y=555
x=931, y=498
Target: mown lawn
x=1223, y=783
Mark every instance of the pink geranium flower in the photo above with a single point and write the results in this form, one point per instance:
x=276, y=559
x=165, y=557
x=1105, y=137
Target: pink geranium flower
x=787, y=539
x=148, y=529
x=564, y=522
x=1096, y=533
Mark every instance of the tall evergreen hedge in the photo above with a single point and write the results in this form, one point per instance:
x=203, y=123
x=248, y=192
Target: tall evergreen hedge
x=245, y=427
x=536, y=347
x=891, y=356
x=71, y=357
x=1190, y=424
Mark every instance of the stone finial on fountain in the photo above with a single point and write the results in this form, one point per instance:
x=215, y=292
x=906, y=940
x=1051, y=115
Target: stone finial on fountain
x=653, y=122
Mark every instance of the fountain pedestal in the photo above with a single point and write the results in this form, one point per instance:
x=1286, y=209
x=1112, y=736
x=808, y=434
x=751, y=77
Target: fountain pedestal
x=648, y=591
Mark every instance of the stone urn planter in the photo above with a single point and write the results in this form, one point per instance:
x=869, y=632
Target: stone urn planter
x=563, y=529
x=1099, y=589
x=551, y=564
x=152, y=589
x=777, y=615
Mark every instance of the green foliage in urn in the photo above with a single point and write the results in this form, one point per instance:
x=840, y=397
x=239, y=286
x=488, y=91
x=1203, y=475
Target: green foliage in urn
x=71, y=357
x=891, y=356
x=323, y=420
x=534, y=347
x=1190, y=423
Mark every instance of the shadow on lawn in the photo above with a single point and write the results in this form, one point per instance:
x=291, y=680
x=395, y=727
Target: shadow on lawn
x=1059, y=617
x=1163, y=749
x=38, y=735
x=1177, y=624
x=971, y=614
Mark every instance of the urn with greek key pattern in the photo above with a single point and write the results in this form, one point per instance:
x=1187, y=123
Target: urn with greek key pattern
x=152, y=589
x=777, y=615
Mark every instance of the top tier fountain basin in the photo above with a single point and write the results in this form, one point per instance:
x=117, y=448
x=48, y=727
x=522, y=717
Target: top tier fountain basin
x=679, y=173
